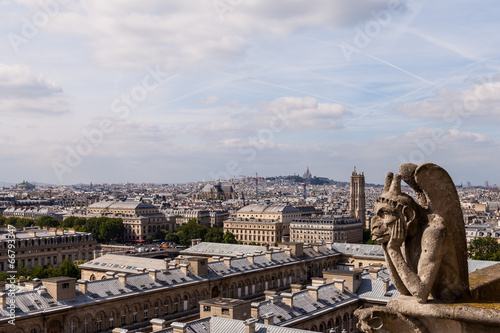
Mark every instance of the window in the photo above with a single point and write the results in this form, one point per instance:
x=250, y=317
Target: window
x=65, y=285
x=225, y=311
x=206, y=308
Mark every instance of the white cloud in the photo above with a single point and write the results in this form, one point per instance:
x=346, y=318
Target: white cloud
x=301, y=113
x=480, y=101
x=180, y=34
x=22, y=91
x=209, y=100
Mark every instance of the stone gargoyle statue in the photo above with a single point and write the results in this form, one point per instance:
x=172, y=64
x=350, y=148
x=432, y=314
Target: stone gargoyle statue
x=426, y=255
x=424, y=242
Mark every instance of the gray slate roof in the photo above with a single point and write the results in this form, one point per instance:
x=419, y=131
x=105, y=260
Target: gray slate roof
x=272, y=208
x=226, y=250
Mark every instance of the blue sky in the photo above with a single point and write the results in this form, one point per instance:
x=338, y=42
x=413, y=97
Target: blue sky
x=176, y=91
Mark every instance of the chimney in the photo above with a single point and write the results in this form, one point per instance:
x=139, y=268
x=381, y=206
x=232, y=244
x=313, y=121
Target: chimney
x=3, y=300
x=140, y=270
x=296, y=288
x=166, y=260
x=257, y=252
x=250, y=325
x=198, y=266
x=82, y=284
x=373, y=273
x=32, y=285
x=227, y=261
x=386, y=285
x=72, y=231
x=172, y=265
x=316, y=247
x=179, y=327
x=287, y=299
x=152, y=274
x=313, y=292
x=97, y=254
x=110, y=275
x=179, y=259
x=158, y=324
x=339, y=284
x=239, y=255
x=288, y=251
x=274, y=299
x=268, y=318
x=269, y=255
x=215, y=258
x=60, y=232
x=53, y=231
x=255, y=313
x=184, y=269
x=122, y=278
x=251, y=258
x=316, y=282
x=32, y=233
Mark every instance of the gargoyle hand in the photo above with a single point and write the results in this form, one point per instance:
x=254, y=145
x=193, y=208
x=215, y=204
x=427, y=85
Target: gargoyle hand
x=398, y=234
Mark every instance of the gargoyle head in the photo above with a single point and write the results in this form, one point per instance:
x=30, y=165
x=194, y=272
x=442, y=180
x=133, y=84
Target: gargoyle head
x=391, y=205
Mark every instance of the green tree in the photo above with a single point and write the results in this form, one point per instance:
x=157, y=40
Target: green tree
x=172, y=237
x=73, y=222
x=367, y=237
x=69, y=269
x=214, y=235
x=191, y=230
x=3, y=220
x=110, y=229
x=484, y=248
x=229, y=238
x=47, y=221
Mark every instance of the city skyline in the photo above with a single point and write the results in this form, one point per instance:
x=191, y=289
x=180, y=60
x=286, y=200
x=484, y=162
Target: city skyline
x=168, y=92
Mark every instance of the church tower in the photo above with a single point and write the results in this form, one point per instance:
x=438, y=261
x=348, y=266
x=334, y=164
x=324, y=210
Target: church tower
x=357, y=199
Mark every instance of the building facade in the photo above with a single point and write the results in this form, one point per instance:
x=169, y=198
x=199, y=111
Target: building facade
x=35, y=246
x=327, y=228
x=139, y=218
x=262, y=224
x=357, y=207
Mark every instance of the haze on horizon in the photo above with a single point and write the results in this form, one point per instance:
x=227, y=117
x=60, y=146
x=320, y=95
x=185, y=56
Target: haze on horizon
x=175, y=91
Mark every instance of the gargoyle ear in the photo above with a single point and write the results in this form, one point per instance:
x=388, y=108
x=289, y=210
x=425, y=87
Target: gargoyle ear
x=409, y=214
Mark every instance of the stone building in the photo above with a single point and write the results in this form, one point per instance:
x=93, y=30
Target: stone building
x=326, y=228
x=139, y=218
x=216, y=192
x=35, y=246
x=132, y=300
x=262, y=224
x=357, y=207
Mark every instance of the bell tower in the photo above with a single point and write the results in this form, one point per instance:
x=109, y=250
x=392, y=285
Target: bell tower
x=357, y=197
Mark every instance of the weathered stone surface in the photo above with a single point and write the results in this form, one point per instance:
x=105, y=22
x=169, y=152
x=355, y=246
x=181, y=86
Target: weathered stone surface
x=426, y=254
x=424, y=242
x=405, y=314
x=485, y=283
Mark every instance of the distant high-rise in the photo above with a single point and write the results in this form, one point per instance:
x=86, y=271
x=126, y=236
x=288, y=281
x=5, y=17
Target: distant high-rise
x=486, y=184
x=357, y=200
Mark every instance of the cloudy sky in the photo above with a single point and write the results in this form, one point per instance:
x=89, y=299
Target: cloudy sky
x=175, y=91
